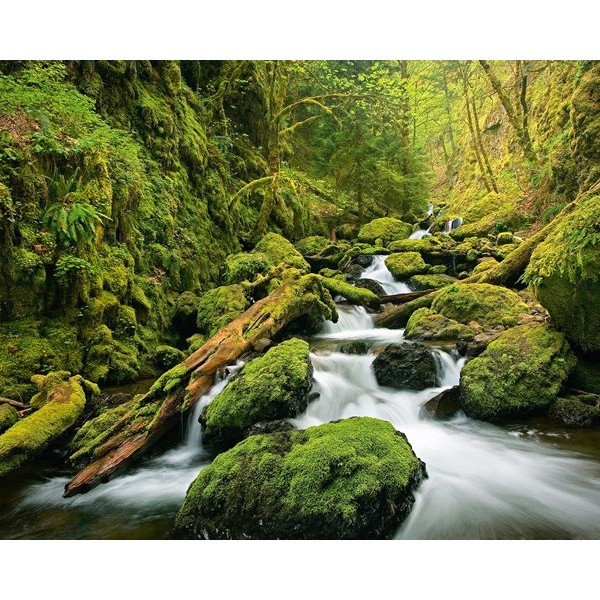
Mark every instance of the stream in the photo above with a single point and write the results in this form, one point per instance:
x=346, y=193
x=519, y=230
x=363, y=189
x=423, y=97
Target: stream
x=531, y=481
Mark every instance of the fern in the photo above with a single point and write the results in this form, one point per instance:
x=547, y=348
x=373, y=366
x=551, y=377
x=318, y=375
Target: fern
x=73, y=223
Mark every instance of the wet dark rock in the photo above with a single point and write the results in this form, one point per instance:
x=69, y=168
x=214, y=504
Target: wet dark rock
x=406, y=366
x=443, y=406
x=269, y=427
x=371, y=284
x=582, y=410
x=353, y=272
x=364, y=260
x=357, y=347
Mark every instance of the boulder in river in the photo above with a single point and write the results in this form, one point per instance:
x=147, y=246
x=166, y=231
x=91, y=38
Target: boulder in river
x=372, y=285
x=405, y=264
x=273, y=386
x=386, y=229
x=350, y=479
x=520, y=373
x=443, y=406
x=426, y=324
x=406, y=366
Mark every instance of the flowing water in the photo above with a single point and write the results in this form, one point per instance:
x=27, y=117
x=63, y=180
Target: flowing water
x=484, y=481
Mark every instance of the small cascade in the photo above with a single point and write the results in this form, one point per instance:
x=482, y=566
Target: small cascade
x=420, y=233
x=452, y=224
x=380, y=273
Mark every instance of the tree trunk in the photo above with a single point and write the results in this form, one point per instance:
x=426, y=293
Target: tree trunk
x=482, y=147
x=139, y=431
x=522, y=134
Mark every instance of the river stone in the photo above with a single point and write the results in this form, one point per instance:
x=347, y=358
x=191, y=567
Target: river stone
x=371, y=284
x=519, y=374
x=364, y=260
x=443, y=406
x=272, y=386
x=406, y=366
x=353, y=272
x=350, y=479
x=269, y=427
x=356, y=347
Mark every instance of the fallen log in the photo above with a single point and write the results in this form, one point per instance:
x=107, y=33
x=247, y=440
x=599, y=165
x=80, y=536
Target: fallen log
x=180, y=388
x=14, y=403
x=404, y=298
x=397, y=317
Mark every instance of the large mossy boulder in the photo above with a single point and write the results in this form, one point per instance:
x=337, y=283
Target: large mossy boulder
x=386, y=229
x=273, y=386
x=488, y=305
x=59, y=403
x=430, y=282
x=220, y=306
x=245, y=266
x=520, y=373
x=351, y=479
x=406, y=366
x=405, y=264
x=564, y=271
x=427, y=325
x=278, y=250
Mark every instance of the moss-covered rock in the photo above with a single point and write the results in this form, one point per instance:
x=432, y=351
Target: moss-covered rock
x=582, y=410
x=246, y=266
x=485, y=264
x=167, y=357
x=405, y=264
x=8, y=417
x=273, y=386
x=488, y=305
x=520, y=373
x=219, y=306
x=430, y=282
x=426, y=324
x=504, y=237
x=313, y=245
x=351, y=479
x=386, y=229
x=354, y=294
x=279, y=250
x=61, y=400
x=565, y=276
x=185, y=314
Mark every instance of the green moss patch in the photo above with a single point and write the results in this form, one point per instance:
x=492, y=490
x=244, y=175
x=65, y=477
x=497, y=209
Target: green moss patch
x=488, y=305
x=426, y=324
x=273, y=386
x=385, y=229
x=405, y=264
x=520, y=373
x=350, y=479
x=220, y=306
x=279, y=250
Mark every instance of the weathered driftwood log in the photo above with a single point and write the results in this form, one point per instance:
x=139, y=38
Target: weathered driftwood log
x=404, y=298
x=14, y=403
x=177, y=390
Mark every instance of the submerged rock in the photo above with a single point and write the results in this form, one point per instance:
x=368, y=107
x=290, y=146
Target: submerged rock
x=351, y=479
x=356, y=347
x=406, y=366
x=443, y=406
x=520, y=373
x=273, y=386
x=577, y=411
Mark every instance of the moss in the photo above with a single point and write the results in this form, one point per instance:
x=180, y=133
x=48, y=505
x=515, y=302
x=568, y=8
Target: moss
x=503, y=251
x=273, y=386
x=174, y=378
x=577, y=411
x=430, y=282
x=245, y=266
x=220, y=306
x=141, y=304
x=28, y=347
x=8, y=417
x=488, y=305
x=195, y=341
x=346, y=231
x=354, y=294
x=185, y=314
x=346, y=480
x=438, y=269
x=385, y=229
x=564, y=273
x=64, y=403
x=426, y=324
x=405, y=264
x=167, y=356
x=586, y=375
x=485, y=265
x=313, y=245
x=505, y=237
x=359, y=250
x=279, y=250
x=520, y=373
x=426, y=245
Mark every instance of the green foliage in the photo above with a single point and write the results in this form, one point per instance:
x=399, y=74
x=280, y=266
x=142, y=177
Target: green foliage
x=73, y=224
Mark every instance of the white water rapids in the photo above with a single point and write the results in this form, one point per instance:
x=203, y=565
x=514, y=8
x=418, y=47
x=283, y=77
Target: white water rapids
x=484, y=481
